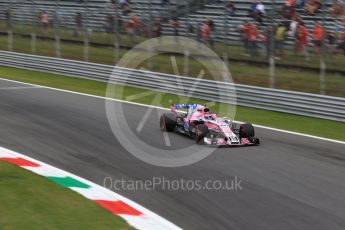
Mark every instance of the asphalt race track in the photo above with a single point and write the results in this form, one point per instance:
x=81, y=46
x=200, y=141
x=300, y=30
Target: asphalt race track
x=289, y=182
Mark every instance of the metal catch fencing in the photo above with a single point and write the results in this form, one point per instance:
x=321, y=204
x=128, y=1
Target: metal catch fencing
x=313, y=105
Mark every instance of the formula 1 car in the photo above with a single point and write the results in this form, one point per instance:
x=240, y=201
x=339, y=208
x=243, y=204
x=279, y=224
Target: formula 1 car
x=207, y=128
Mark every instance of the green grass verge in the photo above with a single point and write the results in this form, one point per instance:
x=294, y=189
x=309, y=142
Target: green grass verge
x=29, y=201
x=313, y=126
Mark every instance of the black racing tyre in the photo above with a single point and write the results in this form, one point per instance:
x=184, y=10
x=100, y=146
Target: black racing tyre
x=167, y=122
x=200, y=132
x=246, y=130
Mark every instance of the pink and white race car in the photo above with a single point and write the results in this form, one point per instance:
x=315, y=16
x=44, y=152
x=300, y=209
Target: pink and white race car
x=207, y=128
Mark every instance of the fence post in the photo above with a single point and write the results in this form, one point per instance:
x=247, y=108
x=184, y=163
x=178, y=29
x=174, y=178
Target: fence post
x=271, y=44
x=117, y=39
x=186, y=51
x=323, y=66
x=10, y=28
x=225, y=34
x=149, y=31
x=33, y=25
x=86, y=32
x=56, y=30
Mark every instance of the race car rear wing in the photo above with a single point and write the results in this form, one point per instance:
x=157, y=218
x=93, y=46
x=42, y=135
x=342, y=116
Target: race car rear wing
x=189, y=107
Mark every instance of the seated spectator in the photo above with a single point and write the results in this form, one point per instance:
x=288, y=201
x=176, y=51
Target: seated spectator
x=312, y=6
x=230, y=8
x=317, y=37
x=337, y=9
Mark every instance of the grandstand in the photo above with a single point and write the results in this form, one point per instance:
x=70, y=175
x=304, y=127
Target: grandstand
x=97, y=11
x=94, y=10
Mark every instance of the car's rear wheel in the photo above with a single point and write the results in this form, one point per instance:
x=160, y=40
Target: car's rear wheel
x=167, y=122
x=201, y=131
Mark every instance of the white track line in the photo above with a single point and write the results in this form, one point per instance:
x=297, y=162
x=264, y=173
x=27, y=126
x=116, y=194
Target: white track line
x=20, y=87
x=157, y=107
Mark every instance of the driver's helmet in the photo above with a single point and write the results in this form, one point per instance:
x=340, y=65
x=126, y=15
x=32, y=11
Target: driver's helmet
x=202, y=109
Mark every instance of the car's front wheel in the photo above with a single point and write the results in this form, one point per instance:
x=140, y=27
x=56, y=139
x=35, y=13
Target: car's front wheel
x=246, y=130
x=201, y=132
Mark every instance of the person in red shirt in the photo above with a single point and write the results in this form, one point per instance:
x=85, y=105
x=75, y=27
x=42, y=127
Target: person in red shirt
x=130, y=29
x=244, y=29
x=291, y=2
x=301, y=41
x=205, y=32
x=317, y=37
x=136, y=21
x=252, y=38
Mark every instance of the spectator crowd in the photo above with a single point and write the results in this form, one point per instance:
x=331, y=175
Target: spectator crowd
x=261, y=35
x=271, y=38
